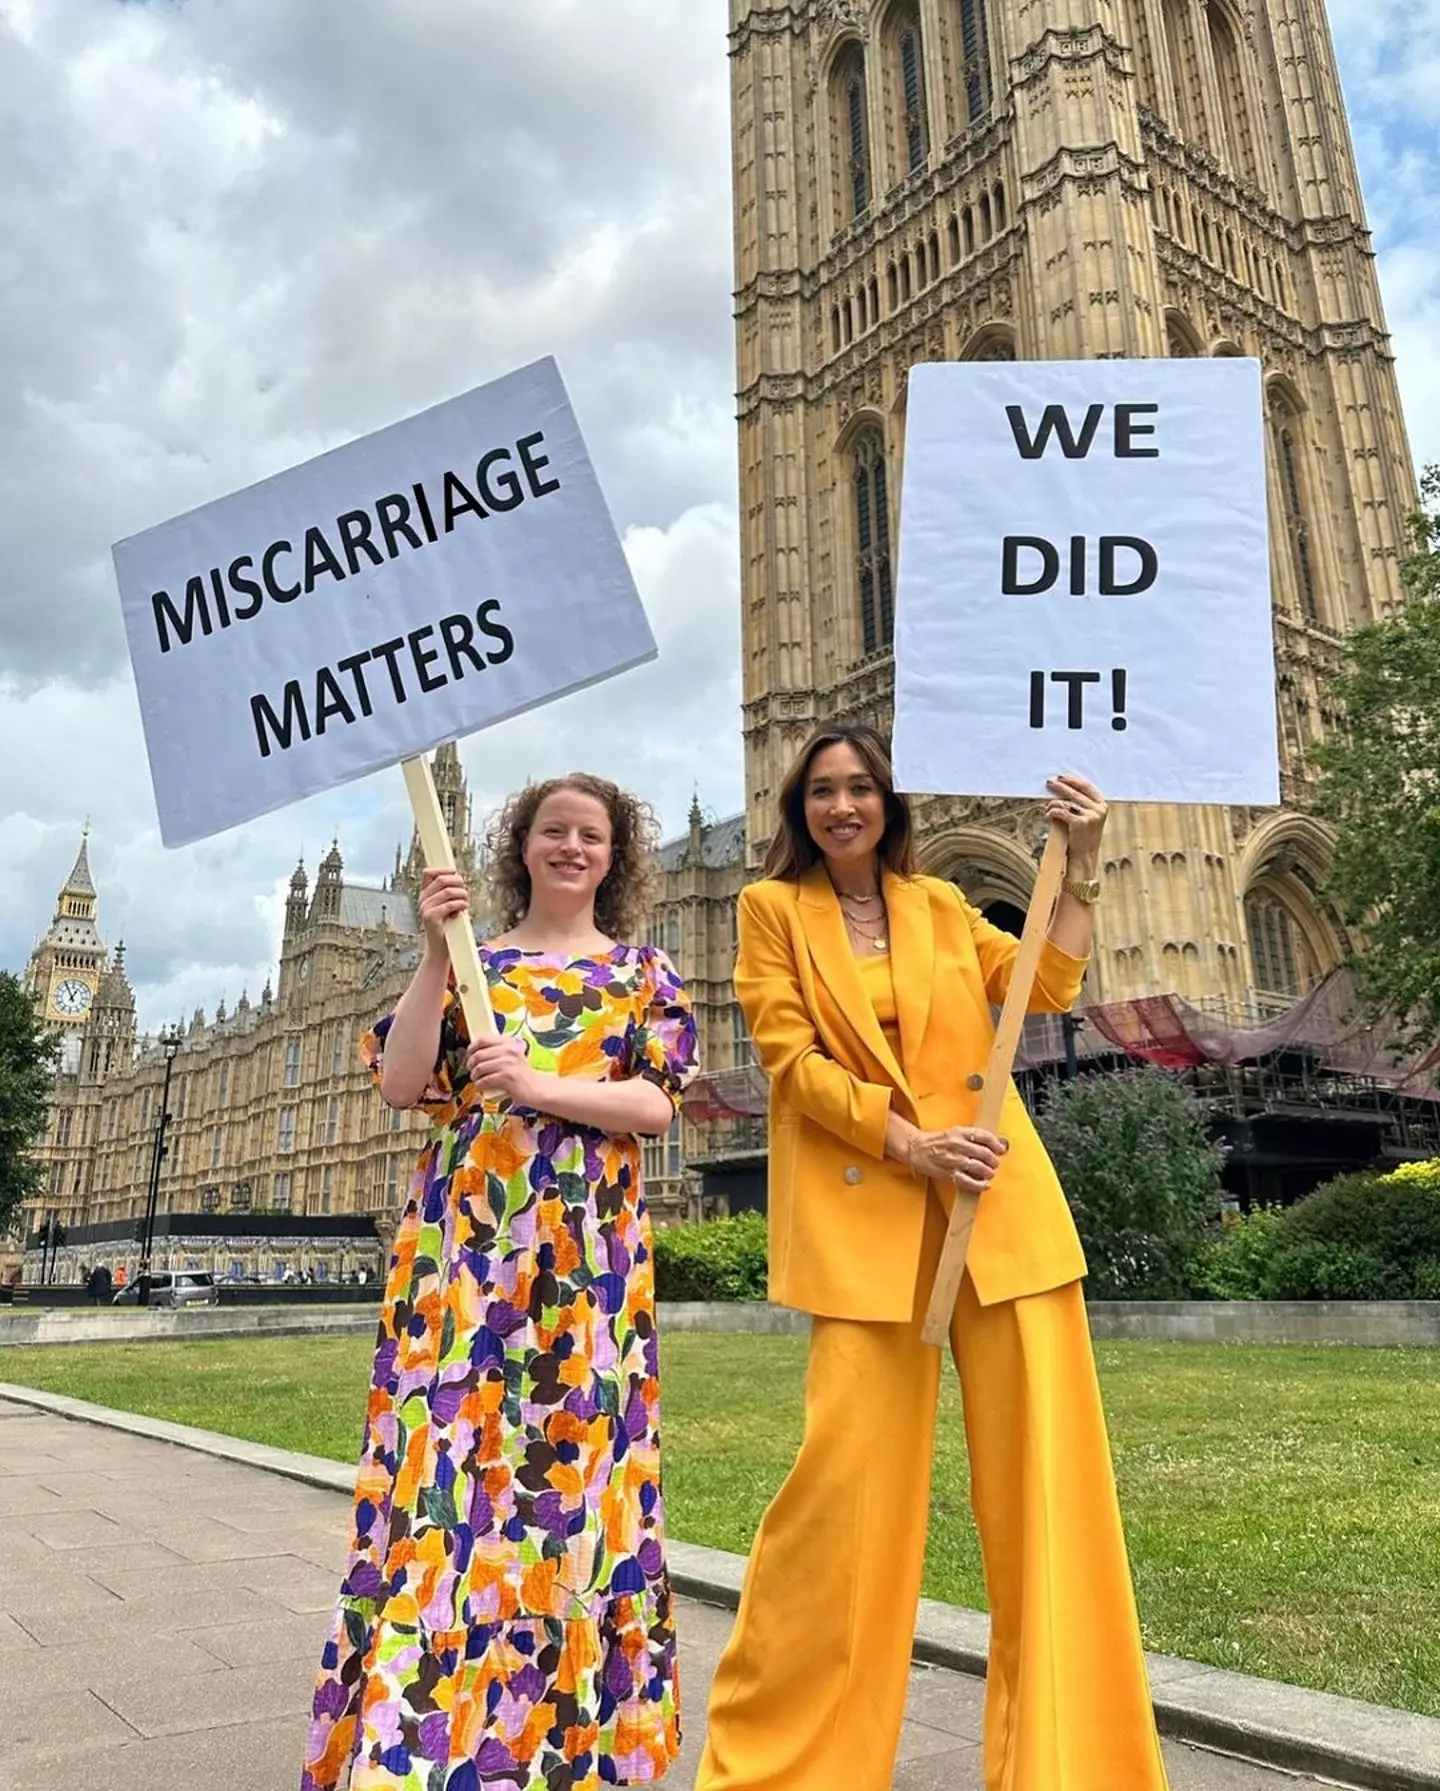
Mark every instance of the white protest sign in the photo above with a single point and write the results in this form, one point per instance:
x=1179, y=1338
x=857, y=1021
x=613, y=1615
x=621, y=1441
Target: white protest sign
x=404, y=590
x=1084, y=581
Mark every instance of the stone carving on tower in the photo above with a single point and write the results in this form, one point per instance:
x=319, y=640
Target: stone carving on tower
x=952, y=179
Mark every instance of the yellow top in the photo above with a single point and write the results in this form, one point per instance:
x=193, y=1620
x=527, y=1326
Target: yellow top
x=879, y=979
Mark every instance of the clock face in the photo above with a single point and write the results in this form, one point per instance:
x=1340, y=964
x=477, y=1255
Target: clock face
x=72, y=996
x=304, y=969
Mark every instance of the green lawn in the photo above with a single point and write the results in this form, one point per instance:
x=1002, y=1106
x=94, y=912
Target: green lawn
x=1283, y=1505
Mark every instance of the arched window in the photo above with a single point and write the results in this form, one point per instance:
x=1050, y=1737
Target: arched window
x=847, y=316
x=912, y=95
x=999, y=204
x=1186, y=109
x=874, y=300
x=985, y=229
x=975, y=86
x=905, y=277
x=1288, y=441
x=953, y=232
x=1181, y=342
x=872, y=543
x=892, y=285
x=1283, y=961
x=934, y=255
x=995, y=343
x=1238, y=141
x=850, y=134
x=967, y=221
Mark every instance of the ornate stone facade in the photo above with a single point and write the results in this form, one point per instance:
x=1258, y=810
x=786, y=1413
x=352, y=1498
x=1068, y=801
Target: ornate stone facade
x=950, y=179
x=271, y=1110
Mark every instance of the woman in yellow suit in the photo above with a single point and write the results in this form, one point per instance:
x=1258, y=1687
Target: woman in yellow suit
x=868, y=992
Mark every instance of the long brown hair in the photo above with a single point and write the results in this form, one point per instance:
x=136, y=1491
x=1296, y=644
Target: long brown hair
x=621, y=899
x=793, y=851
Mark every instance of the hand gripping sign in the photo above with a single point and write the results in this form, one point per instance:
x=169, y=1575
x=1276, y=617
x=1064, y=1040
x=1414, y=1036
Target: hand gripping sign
x=444, y=574
x=1084, y=583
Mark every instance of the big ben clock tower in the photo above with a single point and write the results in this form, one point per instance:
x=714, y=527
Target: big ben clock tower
x=68, y=963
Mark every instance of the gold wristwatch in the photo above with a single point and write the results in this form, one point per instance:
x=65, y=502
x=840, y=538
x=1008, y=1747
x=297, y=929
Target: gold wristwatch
x=1084, y=889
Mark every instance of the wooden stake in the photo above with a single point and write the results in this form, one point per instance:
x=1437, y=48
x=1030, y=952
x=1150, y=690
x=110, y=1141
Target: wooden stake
x=460, y=928
x=997, y=1080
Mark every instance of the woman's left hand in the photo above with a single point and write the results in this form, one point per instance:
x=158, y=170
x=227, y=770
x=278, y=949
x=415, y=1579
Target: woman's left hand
x=1080, y=809
x=500, y=1066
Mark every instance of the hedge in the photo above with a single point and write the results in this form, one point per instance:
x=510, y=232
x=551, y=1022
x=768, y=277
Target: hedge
x=719, y=1259
x=1360, y=1237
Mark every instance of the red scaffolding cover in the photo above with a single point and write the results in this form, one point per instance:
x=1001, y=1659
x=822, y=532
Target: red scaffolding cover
x=1168, y=1031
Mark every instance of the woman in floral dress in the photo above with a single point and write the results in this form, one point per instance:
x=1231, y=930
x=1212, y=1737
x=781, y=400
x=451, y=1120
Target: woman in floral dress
x=506, y=1623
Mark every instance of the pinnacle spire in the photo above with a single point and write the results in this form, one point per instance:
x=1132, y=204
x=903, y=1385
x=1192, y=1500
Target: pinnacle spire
x=80, y=882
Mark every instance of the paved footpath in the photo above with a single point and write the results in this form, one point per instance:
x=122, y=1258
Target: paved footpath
x=162, y=1612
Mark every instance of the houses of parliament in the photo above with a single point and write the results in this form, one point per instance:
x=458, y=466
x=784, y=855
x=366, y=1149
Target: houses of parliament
x=913, y=180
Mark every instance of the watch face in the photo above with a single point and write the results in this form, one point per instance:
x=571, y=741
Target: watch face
x=304, y=968
x=72, y=996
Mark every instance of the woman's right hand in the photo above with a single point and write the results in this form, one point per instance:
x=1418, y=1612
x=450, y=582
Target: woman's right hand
x=964, y=1155
x=443, y=895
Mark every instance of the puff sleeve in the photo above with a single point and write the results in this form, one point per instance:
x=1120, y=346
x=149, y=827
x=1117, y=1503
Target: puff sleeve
x=663, y=1044
x=441, y=1100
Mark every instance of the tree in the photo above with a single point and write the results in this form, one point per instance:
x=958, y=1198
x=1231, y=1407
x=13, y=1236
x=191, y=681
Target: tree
x=29, y=1052
x=1379, y=786
x=1135, y=1158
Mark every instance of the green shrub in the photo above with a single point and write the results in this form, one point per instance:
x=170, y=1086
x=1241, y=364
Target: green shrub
x=1366, y=1232
x=1427, y=1278
x=1134, y=1156
x=1309, y=1270
x=1235, y=1263
x=720, y=1259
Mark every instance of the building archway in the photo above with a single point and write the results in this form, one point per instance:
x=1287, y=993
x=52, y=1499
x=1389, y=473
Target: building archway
x=1293, y=938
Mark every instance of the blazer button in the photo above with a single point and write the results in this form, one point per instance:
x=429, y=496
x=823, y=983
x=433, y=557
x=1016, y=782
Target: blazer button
x=975, y=1083
x=853, y=1177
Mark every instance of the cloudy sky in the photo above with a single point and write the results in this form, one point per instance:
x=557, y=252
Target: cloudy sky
x=234, y=235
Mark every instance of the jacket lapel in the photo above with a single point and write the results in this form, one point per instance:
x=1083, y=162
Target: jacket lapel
x=834, y=960
x=912, y=961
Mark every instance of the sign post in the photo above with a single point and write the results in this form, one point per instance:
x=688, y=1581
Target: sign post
x=439, y=853
x=1084, y=586
x=951, y=1269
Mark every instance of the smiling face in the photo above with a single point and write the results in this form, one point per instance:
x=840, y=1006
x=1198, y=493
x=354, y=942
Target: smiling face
x=844, y=806
x=568, y=849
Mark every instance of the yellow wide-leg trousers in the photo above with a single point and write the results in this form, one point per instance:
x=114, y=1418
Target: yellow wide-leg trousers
x=810, y=1692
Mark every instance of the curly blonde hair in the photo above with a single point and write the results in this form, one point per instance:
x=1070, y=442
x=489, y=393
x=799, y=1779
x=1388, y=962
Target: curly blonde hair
x=621, y=900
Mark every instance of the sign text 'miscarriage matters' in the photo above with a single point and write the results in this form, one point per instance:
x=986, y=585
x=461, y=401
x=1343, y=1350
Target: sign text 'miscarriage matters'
x=401, y=591
x=1084, y=581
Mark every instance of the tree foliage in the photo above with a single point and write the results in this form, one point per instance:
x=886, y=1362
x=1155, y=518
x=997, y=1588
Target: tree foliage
x=29, y=1052
x=1135, y=1158
x=1379, y=786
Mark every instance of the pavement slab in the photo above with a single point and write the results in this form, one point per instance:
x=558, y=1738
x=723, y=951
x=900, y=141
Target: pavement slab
x=186, y=1632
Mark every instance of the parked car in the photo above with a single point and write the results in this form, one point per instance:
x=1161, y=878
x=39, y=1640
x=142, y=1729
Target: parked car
x=185, y=1287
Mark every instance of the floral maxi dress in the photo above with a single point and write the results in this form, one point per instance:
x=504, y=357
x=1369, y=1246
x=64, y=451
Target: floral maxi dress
x=505, y=1623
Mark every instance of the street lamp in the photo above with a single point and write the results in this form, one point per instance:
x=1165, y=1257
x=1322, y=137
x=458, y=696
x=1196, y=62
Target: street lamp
x=170, y=1044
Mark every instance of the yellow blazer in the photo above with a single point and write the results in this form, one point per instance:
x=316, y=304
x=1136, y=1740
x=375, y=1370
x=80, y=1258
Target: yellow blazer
x=845, y=1224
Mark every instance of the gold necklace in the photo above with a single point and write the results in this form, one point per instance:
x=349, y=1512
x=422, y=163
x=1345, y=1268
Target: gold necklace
x=878, y=939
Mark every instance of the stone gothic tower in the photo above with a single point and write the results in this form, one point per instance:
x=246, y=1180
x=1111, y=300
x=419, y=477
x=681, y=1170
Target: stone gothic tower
x=956, y=179
x=454, y=794
x=66, y=967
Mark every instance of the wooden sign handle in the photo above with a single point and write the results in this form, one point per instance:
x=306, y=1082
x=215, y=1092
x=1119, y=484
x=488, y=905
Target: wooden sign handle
x=470, y=981
x=997, y=1080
